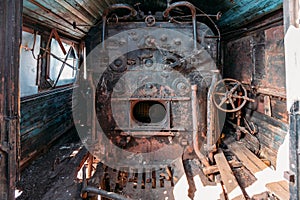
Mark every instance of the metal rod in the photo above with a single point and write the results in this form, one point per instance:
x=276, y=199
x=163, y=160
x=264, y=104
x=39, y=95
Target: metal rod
x=103, y=30
x=93, y=114
x=62, y=67
x=103, y=193
x=90, y=165
x=193, y=12
x=56, y=57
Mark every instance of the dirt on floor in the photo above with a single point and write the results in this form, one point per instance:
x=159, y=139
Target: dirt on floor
x=53, y=174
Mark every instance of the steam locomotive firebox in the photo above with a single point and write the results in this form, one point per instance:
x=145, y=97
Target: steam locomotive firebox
x=153, y=96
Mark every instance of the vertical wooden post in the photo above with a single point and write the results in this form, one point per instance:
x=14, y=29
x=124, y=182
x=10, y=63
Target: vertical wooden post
x=10, y=41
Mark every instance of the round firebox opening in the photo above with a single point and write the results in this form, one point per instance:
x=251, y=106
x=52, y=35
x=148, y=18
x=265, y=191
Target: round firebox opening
x=149, y=112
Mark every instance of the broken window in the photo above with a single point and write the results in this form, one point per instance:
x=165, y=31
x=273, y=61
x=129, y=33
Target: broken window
x=28, y=63
x=63, y=67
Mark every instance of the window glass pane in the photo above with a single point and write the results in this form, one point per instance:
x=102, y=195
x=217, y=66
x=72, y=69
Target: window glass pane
x=68, y=74
x=28, y=65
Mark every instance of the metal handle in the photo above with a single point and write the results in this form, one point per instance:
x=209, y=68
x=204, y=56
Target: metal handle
x=193, y=12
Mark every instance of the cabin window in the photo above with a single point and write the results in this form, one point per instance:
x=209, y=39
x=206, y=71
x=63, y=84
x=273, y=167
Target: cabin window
x=28, y=63
x=63, y=67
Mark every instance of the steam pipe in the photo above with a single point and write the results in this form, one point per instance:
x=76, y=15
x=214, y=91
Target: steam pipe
x=193, y=12
x=103, y=193
x=133, y=13
x=212, y=115
x=194, y=102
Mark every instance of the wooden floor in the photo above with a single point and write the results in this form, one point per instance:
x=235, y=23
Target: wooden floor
x=233, y=189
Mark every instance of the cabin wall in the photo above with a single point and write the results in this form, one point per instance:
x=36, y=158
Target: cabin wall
x=256, y=58
x=44, y=118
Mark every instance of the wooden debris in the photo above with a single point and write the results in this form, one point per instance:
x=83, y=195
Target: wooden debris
x=231, y=185
x=214, y=168
x=250, y=160
x=280, y=189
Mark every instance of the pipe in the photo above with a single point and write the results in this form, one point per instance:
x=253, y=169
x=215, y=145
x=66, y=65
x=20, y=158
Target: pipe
x=194, y=102
x=212, y=114
x=193, y=12
x=133, y=13
x=103, y=193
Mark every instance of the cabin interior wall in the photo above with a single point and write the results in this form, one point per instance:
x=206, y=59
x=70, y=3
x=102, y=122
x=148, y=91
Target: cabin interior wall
x=47, y=112
x=256, y=58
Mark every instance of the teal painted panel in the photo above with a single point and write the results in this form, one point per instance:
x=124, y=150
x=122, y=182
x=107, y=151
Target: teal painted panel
x=246, y=11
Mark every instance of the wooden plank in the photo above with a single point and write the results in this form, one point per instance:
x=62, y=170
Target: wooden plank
x=250, y=161
x=231, y=185
x=280, y=189
x=45, y=16
x=53, y=14
x=10, y=41
x=89, y=7
x=84, y=8
x=71, y=9
x=214, y=168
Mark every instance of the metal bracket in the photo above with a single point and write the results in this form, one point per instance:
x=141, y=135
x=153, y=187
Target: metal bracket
x=290, y=176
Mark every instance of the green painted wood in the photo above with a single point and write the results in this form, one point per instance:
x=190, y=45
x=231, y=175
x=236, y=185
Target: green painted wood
x=247, y=11
x=44, y=117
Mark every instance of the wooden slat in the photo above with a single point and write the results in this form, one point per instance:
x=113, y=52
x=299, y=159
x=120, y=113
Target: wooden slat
x=89, y=7
x=43, y=119
x=231, y=185
x=45, y=16
x=250, y=161
x=280, y=189
x=74, y=11
x=61, y=12
x=85, y=7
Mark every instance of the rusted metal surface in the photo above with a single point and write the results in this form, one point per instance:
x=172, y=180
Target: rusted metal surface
x=258, y=60
x=237, y=60
x=273, y=76
x=145, y=104
x=10, y=41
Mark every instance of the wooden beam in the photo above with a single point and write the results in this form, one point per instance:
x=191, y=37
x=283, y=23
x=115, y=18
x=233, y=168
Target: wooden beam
x=53, y=13
x=214, y=168
x=232, y=187
x=10, y=42
x=250, y=161
x=42, y=17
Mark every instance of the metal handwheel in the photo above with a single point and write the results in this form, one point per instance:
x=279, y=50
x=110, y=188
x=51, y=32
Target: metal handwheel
x=229, y=95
